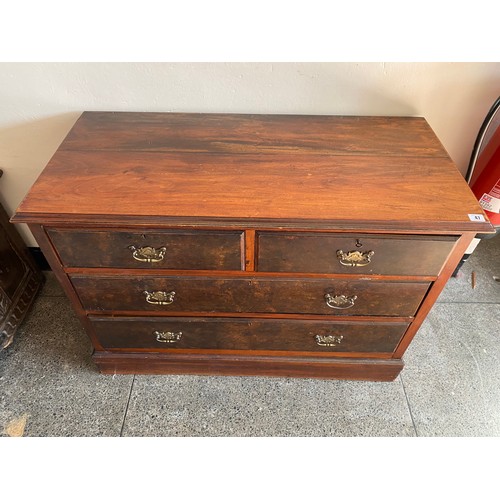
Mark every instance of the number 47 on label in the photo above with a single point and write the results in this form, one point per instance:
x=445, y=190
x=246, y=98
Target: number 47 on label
x=476, y=217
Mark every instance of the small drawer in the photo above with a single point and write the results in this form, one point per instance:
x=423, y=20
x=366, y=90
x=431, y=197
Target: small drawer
x=247, y=334
x=330, y=253
x=207, y=250
x=257, y=295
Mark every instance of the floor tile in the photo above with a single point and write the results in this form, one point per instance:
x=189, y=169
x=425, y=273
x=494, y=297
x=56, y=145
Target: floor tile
x=258, y=406
x=48, y=383
x=485, y=262
x=452, y=372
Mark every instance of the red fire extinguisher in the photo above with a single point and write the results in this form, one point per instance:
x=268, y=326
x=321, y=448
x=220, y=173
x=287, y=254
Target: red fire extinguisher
x=483, y=174
x=487, y=185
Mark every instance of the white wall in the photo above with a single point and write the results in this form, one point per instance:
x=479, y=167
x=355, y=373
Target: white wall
x=39, y=102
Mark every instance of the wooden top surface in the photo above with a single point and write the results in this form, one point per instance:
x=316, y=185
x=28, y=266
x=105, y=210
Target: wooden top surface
x=284, y=170
x=241, y=134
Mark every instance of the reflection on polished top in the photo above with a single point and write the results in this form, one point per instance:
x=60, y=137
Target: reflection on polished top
x=336, y=170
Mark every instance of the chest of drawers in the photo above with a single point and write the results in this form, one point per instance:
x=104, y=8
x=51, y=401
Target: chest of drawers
x=308, y=246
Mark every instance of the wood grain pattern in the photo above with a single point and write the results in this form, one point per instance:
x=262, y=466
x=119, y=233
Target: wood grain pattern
x=277, y=187
x=250, y=250
x=262, y=366
x=279, y=195
x=317, y=253
x=89, y=271
x=207, y=250
x=248, y=334
x=255, y=133
x=240, y=295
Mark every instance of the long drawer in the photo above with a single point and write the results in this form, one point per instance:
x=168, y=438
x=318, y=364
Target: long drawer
x=168, y=249
x=247, y=334
x=257, y=295
x=330, y=253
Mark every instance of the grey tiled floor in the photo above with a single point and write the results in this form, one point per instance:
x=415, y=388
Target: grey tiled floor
x=450, y=385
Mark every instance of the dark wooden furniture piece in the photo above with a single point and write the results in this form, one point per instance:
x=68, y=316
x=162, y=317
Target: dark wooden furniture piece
x=309, y=246
x=20, y=279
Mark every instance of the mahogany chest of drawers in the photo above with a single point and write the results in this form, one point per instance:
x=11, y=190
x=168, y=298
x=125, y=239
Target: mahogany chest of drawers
x=308, y=246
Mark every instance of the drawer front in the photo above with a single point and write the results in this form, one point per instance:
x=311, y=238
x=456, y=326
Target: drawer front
x=258, y=295
x=208, y=250
x=352, y=254
x=247, y=334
